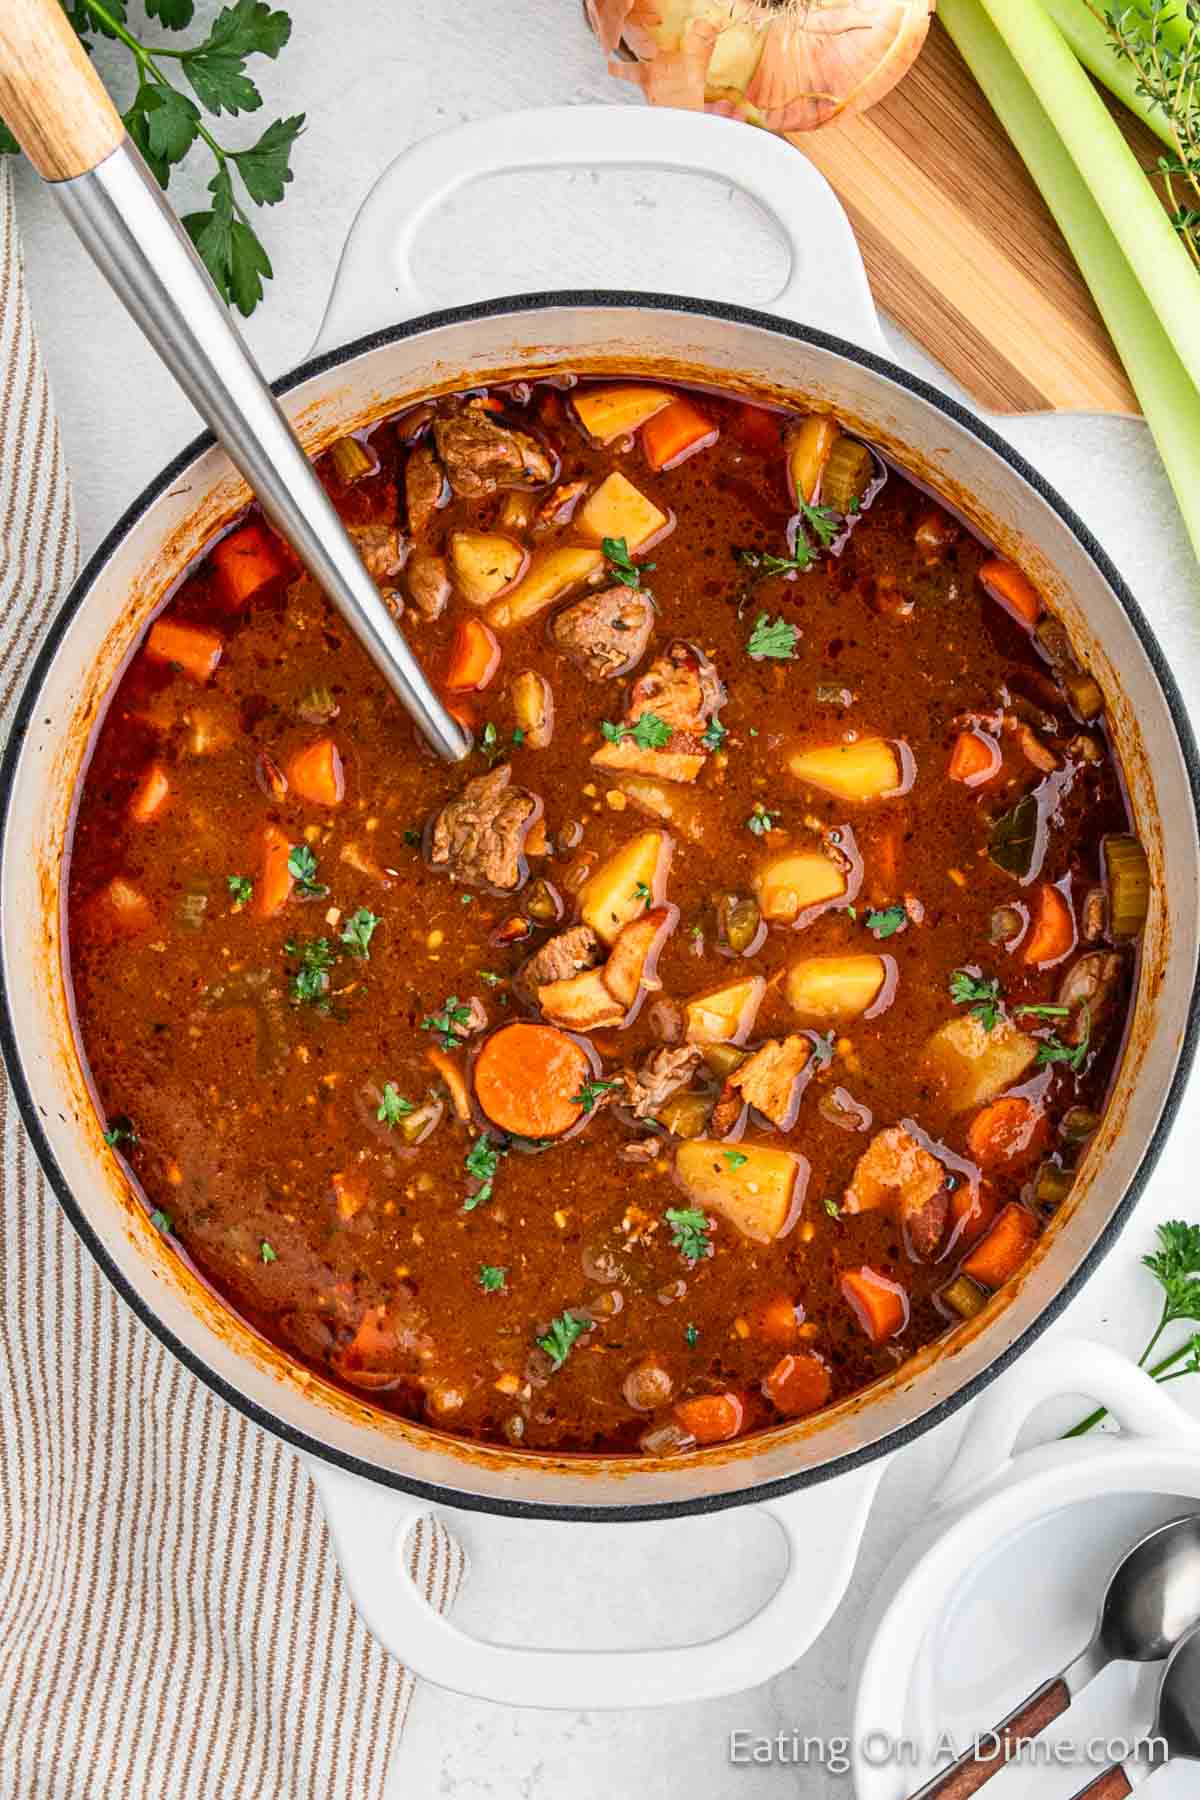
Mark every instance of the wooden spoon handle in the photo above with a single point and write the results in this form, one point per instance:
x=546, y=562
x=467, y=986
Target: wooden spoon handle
x=1114, y=1784
x=51, y=98
x=971, y=1772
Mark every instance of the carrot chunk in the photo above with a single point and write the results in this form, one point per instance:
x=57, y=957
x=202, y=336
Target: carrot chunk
x=776, y=1320
x=528, y=1077
x=150, y=795
x=191, y=648
x=474, y=657
x=456, y=1083
x=1051, y=927
x=274, y=886
x=246, y=562
x=1006, y=1246
x=1009, y=1132
x=972, y=1209
x=679, y=431
x=711, y=1418
x=974, y=759
x=316, y=773
x=1015, y=592
x=879, y=1305
x=799, y=1384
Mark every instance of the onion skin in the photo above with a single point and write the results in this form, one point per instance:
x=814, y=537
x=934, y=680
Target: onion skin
x=788, y=65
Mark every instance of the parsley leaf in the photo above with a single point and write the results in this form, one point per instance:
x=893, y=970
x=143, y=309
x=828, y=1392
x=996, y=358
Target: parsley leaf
x=773, y=638
x=591, y=1093
x=267, y=1252
x=449, y=1022
x=308, y=985
x=174, y=14
x=761, y=821
x=393, y=1106
x=491, y=1279
x=264, y=167
x=764, y=563
x=983, y=996
x=164, y=124
x=886, y=923
x=642, y=892
x=121, y=1130
x=162, y=1221
x=621, y=566
x=302, y=867
x=216, y=68
x=560, y=1338
x=689, y=1233
x=358, y=932
x=481, y=1163
x=490, y=977
x=822, y=521
x=735, y=1158
x=1051, y=1049
x=1045, y=1012
x=714, y=735
x=832, y=1207
x=228, y=248
x=691, y=1337
x=649, y=732
x=240, y=889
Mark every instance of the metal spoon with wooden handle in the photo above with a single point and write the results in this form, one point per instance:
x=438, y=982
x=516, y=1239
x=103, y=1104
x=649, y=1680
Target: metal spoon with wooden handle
x=1151, y=1603
x=57, y=108
x=1176, y=1725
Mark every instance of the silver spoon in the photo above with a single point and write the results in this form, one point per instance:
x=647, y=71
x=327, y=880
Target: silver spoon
x=1176, y=1725
x=65, y=122
x=1152, y=1601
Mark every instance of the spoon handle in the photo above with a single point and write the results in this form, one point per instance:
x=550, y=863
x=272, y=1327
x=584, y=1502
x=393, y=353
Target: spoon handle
x=1114, y=1784
x=994, y=1749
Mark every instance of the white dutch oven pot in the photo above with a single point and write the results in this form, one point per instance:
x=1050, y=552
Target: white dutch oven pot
x=374, y=1472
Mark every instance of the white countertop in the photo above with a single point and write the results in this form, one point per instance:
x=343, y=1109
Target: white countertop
x=373, y=76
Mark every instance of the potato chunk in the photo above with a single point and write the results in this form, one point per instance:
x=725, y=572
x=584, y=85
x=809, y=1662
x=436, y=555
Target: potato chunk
x=974, y=1065
x=789, y=884
x=835, y=987
x=618, y=510
x=484, y=564
x=758, y=1189
x=676, y=805
x=866, y=770
x=533, y=707
x=726, y=1016
x=616, y=412
x=581, y=1002
x=630, y=968
x=551, y=575
x=628, y=881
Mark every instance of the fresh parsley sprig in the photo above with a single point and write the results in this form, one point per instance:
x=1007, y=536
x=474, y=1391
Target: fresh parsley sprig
x=648, y=732
x=690, y=1230
x=1175, y=1265
x=621, y=565
x=559, y=1339
x=774, y=639
x=450, y=1023
x=981, y=994
x=481, y=1163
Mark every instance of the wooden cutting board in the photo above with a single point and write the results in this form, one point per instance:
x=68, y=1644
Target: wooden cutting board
x=960, y=248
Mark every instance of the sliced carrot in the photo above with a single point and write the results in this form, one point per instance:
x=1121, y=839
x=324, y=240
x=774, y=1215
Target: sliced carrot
x=1008, y=1132
x=1015, y=592
x=316, y=773
x=191, y=648
x=679, y=431
x=126, y=907
x=273, y=888
x=246, y=562
x=974, y=759
x=150, y=794
x=758, y=429
x=474, y=657
x=1006, y=1246
x=776, y=1320
x=711, y=1418
x=464, y=711
x=456, y=1082
x=350, y=1195
x=799, y=1384
x=880, y=1305
x=1051, y=927
x=972, y=1209
x=526, y=1079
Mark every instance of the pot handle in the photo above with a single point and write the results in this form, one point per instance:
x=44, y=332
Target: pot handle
x=376, y=284
x=1052, y=1372
x=370, y=1524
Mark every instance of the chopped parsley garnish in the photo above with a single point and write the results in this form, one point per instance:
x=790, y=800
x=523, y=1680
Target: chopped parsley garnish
x=983, y=997
x=832, y=1207
x=162, y=1221
x=481, y=1163
x=642, y=892
x=490, y=744
x=1053, y=1050
x=490, y=977
x=518, y=736
x=774, y=638
x=393, y=1106
x=560, y=1337
x=412, y=836
x=735, y=1158
x=592, y=1092
x=822, y=521
x=691, y=1337
x=689, y=1232
x=308, y=985
x=121, y=1130
x=302, y=867
x=648, y=733
x=764, y=563
x=1045, y=1012
x=267, y=1252
x=358, y=932
x=761, y=821
x=714, y=735
x=884, y=924
x=491, y=1279
x=621, y=565
x=448, y=1022
x=240, y=889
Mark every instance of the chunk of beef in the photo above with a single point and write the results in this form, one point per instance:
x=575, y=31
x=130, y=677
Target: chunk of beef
x=428, y=581
x=604, y=634
x=1093, y=982
x=379, y=547
x=662, y=1075
x=683, y=689
x=478, y=836
x=898, y=1174
x=481, y=455
x=570, y=953
x=769, y=1081
x=424, y=487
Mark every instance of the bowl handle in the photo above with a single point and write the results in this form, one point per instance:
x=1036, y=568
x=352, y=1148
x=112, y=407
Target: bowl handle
x=376, y=284
x=1054, y=1371
x=370, y=1524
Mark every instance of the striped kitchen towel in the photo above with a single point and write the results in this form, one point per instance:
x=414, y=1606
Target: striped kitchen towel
x=172, y=1619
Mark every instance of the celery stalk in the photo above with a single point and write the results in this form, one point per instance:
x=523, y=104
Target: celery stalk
x=1167, y=395
x=1092, y=45
x=1093, y=141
